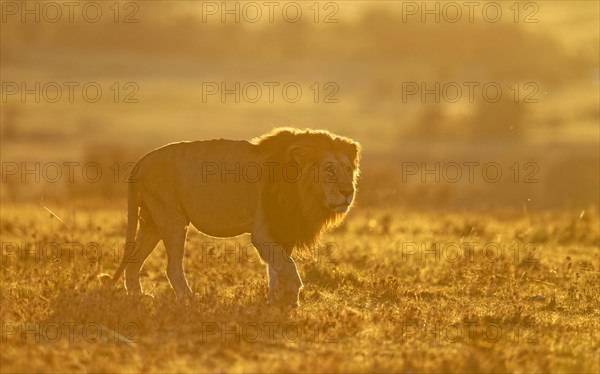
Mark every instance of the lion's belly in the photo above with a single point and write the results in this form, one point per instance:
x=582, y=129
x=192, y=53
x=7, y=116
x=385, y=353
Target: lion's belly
x=212, y=218
x=220, y=195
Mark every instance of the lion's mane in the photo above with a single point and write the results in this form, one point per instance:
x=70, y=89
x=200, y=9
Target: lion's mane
x=293, y=213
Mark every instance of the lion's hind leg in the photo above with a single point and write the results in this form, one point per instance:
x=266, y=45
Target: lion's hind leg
x=175, y=245
x=146, y=240
x=172, y=225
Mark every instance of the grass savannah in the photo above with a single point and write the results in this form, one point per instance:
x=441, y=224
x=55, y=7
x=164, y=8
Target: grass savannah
x=440, y=215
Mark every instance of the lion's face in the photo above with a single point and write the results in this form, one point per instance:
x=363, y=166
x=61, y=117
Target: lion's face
x=336, y=181
x=329, y=175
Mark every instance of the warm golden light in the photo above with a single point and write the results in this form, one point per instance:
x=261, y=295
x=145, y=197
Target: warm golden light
x=467, y=235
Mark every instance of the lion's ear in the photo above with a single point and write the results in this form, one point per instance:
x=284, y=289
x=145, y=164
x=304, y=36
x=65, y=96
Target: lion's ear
x=300, y=154
x=351, y=149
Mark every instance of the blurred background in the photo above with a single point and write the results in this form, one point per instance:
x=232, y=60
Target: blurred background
x=442, y=97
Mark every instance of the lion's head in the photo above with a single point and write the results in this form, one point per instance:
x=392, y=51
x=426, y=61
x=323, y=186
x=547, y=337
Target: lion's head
x=313, y=185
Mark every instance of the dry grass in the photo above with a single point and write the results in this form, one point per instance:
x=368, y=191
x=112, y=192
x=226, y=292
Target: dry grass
x=366, y=305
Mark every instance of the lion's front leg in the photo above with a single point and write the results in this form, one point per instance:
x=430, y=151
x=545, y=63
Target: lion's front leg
x=284, y=280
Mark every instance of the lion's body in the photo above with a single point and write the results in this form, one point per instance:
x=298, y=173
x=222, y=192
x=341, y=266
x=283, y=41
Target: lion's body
x=280, y=188
x=221, y=204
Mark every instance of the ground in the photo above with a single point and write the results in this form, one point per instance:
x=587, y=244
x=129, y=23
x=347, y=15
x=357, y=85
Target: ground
x=389, y=291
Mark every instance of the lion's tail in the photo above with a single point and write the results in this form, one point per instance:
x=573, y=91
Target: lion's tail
x=132, y=223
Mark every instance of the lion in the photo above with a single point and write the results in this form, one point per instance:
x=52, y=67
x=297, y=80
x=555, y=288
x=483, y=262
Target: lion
x=284, y=188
